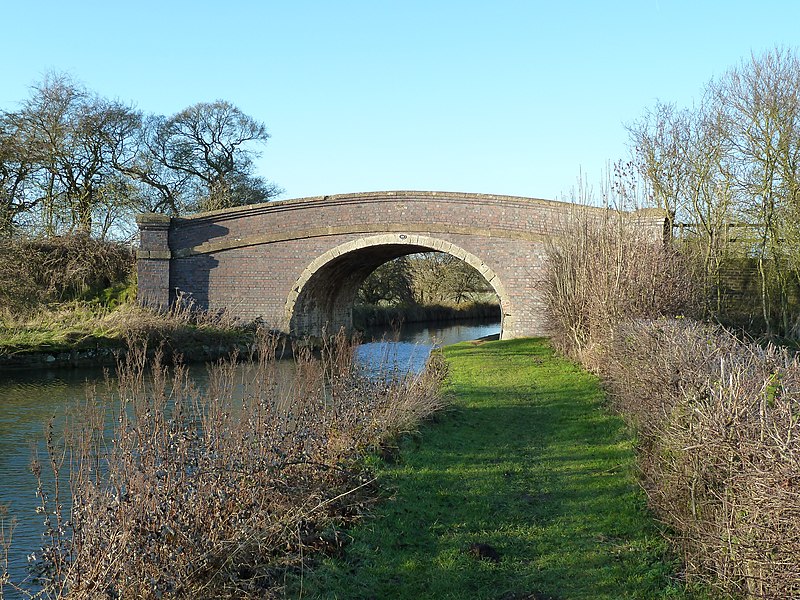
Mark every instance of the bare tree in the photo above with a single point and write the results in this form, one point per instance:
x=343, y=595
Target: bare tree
x=71, y=136
x=210, y=143
x=442, y=278
x=728, y=170
x=681, y=154
x=73, y=162
x=16, y=169
x=760, y=101
x=159, y=188
x=389, y=284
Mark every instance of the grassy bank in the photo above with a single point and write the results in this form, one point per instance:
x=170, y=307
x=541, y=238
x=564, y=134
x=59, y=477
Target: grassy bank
x=79, y=326
x=72, y=298
x=529, y=463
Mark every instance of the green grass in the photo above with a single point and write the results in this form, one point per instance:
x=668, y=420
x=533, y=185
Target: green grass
x=73, y=325
x=529, y=461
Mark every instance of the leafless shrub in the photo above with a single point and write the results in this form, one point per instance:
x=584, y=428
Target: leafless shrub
x=719, y=427
x=201, y=495
x=604, y=269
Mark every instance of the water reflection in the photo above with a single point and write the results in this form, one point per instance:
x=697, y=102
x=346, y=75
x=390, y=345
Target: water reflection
x=408, y=349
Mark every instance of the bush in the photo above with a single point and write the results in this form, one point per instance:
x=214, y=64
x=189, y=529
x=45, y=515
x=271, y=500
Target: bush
x=41, y=271
x=719, y=425
x=604, y=270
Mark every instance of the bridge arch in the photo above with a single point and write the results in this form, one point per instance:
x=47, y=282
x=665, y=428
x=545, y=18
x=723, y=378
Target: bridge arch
x=324, y=293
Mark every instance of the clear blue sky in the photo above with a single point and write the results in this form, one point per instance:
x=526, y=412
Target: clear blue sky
x=481, y=96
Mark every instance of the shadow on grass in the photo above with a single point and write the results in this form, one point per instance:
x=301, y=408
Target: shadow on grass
x=528, y=462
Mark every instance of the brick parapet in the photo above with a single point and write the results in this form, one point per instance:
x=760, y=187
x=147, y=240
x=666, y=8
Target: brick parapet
x=417, y=210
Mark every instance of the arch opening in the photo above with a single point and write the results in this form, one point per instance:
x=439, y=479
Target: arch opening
x=431, y=286
x=322, y=298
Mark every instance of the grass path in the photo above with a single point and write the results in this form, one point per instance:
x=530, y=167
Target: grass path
x=529, y=462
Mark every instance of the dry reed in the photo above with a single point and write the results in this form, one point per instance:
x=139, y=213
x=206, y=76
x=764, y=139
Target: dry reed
x=217, y=494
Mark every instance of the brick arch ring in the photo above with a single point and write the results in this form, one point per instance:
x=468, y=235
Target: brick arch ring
x=417, y=243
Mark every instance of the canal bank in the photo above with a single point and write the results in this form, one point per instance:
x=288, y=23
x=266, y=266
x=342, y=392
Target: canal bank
x=106, y=355
x=204, y=342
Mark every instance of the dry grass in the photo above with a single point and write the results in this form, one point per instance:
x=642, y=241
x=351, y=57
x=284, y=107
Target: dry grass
x=202, y=495
x=77, y=325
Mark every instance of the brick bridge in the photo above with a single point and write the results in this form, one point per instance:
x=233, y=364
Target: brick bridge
x=298, y=263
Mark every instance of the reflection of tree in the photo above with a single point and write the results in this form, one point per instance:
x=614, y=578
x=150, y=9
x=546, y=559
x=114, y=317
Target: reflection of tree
x=425, y=279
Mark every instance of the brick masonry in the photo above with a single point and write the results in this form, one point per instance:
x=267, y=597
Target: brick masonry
x=298, y=263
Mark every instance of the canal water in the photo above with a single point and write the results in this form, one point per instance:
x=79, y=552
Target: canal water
x=29, y=399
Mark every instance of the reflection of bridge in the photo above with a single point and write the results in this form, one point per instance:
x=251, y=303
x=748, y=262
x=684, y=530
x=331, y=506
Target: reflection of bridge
x=298, y=263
